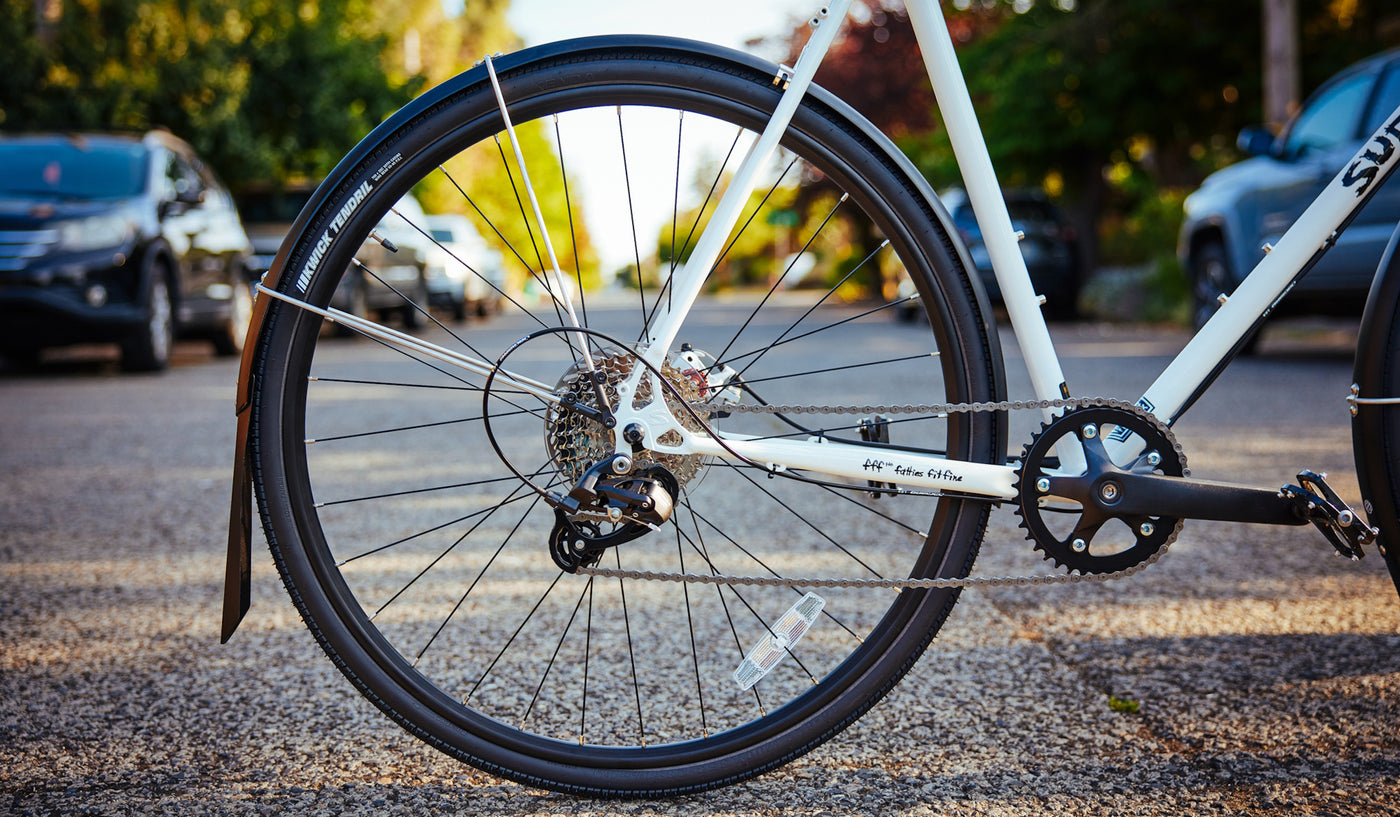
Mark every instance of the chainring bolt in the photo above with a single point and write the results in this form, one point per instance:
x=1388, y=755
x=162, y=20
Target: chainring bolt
x=1089, y=431
x=1043, y=485
x=1154, y=459
x=1079, y=545
x=1146, y=528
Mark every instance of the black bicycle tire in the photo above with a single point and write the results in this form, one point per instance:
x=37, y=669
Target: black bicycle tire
x=842, y=701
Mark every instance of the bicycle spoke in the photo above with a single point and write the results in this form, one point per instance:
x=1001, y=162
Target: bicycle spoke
x=700, y=214
x=802, y=518
x=505, y=241
x=719, y=592
x=415, y=427
x=467, y=593
x=631, y=215
x=690, y=628
x=885, y=362
x=774, y=288
x=554, y=655
x=411, y=492
x=569, y=211
x=513, y=636
x=444, y=519
x=833, y=325
x=510, y=499
x=631, y=653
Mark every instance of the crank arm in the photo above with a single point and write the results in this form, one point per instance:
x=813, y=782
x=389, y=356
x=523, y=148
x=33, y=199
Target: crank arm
x=1123, y=494
x=409, y=343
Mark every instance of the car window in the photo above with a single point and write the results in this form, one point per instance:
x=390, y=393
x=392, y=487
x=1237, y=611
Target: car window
x=76, y=168
x=180, y=176
x=272, y=208
x=1030, y=211
x=1385, y=101
x=1331, y=118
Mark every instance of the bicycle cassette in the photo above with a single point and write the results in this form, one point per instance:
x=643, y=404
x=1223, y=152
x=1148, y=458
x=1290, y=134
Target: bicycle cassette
x=1070, y=516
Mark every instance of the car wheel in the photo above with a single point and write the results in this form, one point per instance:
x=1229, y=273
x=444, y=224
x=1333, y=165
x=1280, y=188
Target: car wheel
x=24, y=360
x=1062, y=305
x=229, y=339
x=1210, y=278
x=148, y=350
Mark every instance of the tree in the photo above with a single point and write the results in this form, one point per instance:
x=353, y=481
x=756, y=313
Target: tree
x=268, y=92
x=1101, y=102
x=244, y=82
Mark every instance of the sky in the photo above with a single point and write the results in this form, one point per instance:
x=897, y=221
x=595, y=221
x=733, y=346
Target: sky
x=731, y=23
x=727, y=22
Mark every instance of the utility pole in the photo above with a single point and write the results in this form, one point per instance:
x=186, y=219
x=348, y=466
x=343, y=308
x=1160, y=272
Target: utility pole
x=1282, y=73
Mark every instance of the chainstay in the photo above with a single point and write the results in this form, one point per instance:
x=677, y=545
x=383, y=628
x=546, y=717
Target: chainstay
x=933, y=583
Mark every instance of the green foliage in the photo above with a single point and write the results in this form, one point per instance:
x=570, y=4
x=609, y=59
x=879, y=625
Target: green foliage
x=268, y=91
x=264, y=89
x=1103, y=102
x=1125, y=705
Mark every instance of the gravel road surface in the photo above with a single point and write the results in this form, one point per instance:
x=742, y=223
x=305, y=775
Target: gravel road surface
x=1247, y=672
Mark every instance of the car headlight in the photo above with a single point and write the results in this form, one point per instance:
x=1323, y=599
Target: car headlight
x=94, y=233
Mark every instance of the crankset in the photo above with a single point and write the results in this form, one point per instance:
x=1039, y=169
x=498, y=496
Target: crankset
x=1067, y=514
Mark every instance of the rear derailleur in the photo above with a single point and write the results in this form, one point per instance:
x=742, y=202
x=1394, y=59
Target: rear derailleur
x=610, y=496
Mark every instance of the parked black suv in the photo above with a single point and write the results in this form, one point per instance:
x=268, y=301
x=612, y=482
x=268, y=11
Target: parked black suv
x=125, y=239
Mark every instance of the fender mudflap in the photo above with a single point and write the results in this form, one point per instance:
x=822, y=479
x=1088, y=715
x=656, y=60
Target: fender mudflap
x=1375, y=429
x=238, y=575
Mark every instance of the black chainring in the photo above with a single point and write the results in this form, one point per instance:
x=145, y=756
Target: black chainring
x=1069, y=496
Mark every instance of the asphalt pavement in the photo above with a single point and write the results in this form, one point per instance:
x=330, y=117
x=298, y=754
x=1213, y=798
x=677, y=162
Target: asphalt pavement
x=1247, y=672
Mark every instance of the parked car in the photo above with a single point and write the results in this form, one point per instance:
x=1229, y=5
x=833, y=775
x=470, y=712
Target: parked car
x=1241, y=208
x=268, y=215
x=1049, y=247
x=464, y=273
x=117, y=239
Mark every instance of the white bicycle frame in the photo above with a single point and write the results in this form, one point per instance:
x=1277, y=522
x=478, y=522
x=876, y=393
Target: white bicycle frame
x=1193, y=368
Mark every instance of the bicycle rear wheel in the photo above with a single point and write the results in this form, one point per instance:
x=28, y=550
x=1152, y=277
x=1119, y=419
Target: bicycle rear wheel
x=420, y=558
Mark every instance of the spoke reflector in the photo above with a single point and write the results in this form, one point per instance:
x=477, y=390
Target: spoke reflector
x=780, y=639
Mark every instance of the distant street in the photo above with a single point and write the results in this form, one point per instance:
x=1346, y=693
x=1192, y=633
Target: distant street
x=1247, y=672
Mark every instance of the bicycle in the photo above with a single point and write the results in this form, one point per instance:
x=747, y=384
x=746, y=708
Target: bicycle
x=591, y=555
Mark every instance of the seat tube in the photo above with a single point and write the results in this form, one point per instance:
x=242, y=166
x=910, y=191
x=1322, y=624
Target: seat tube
x=983, y=191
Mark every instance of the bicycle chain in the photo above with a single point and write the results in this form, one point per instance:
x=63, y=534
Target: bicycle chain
x=937, y=583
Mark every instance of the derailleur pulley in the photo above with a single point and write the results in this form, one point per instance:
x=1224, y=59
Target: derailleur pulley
x=610, y=504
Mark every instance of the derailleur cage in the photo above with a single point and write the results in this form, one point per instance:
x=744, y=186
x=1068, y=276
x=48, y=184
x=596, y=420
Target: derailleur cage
x=634, y=503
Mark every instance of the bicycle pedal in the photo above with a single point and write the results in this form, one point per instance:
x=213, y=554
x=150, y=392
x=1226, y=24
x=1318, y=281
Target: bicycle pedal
x=1318, y=503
